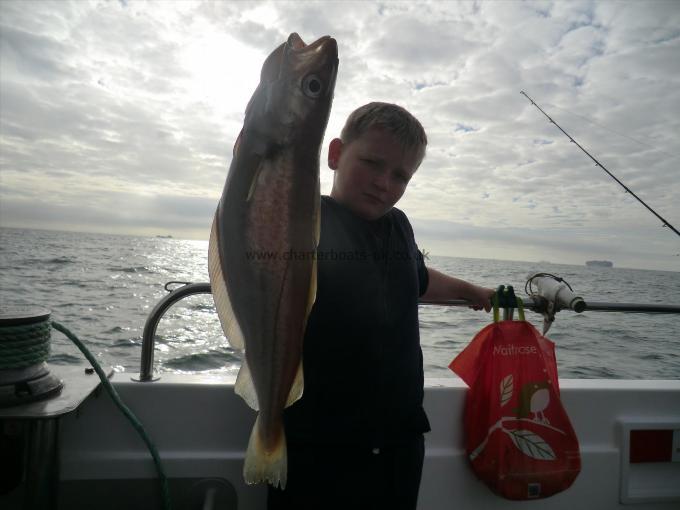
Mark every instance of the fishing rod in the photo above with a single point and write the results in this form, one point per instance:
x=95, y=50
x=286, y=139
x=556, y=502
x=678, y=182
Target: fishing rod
x=535, y=304
x=553, y=294
x=597, y=163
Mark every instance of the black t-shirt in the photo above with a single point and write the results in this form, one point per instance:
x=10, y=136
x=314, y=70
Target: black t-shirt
x=363, y=366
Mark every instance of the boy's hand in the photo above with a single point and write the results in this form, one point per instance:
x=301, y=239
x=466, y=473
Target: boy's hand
x=481, y=298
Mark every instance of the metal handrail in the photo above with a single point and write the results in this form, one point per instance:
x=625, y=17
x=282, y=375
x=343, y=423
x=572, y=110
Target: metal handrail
x=535, y=303
x=149, y=334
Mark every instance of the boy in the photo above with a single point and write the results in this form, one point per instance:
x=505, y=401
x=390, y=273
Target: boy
x=355, y=438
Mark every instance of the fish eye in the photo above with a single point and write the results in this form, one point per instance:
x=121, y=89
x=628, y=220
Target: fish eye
x=312, y=86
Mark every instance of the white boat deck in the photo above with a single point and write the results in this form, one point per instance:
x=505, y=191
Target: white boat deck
x=201, y=429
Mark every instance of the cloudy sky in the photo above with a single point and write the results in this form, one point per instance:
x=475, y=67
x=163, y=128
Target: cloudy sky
x=120, y=116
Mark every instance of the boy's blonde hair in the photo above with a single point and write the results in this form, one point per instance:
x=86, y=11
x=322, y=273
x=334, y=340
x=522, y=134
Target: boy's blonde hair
x=390, y=117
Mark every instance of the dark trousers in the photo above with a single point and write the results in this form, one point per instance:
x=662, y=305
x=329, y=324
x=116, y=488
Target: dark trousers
x=351, y=478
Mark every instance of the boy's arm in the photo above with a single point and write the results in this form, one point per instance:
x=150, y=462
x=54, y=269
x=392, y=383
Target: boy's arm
x=442, y=287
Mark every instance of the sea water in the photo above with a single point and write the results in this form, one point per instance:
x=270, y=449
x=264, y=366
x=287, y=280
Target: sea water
x=103, y=287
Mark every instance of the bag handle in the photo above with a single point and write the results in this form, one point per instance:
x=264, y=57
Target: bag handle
x=504, y=297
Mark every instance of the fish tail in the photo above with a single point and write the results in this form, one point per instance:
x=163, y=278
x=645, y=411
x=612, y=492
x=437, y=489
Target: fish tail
x=261, y=464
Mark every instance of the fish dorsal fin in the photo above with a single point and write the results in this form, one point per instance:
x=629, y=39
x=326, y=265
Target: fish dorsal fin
x=244, y=386
x=225, y=311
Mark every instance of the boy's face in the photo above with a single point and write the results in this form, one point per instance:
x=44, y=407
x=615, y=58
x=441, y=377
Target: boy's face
x=371, y=172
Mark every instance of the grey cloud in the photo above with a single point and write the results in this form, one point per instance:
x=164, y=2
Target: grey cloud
x=258, y=36
x=97, y=126
x=34, y=56
x=315, y=19
x=615, y=242
x=412, y=43
x=113, y=209
x=631, y=25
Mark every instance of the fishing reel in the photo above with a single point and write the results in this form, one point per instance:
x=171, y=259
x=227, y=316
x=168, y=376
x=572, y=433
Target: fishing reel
x=552, y=294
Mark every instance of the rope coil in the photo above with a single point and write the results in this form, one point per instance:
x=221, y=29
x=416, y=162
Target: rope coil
x=24, y=345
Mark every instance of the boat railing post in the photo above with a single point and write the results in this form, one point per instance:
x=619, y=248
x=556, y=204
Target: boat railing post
x=149, y=334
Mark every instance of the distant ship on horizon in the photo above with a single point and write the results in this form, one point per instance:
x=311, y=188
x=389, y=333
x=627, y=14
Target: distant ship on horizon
x=599, y=263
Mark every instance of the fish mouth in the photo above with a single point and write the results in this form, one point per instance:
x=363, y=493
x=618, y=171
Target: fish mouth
x=323, y=48
x=296, y=43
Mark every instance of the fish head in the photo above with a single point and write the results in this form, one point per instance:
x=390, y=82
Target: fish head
x=293, y=100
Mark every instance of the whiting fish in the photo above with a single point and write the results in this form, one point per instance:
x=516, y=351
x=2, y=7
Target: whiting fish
x=270, y=205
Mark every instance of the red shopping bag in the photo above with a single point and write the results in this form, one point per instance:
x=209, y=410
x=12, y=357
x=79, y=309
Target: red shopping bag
x=518, y=436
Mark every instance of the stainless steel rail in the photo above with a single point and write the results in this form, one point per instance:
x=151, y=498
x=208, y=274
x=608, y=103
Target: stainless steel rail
x=631, y=307
x=535, y=303
x=149, y=334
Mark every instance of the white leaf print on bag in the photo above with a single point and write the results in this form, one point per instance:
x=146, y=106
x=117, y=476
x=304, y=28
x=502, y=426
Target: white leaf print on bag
x=506, y=389
x=531, y=444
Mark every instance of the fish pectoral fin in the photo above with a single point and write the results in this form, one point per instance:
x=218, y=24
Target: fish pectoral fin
x=225, y=311
x=245, y=388
x=255, y=179
x=297, y=388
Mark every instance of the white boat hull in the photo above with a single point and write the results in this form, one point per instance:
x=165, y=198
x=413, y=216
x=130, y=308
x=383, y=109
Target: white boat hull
x=201, y=429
